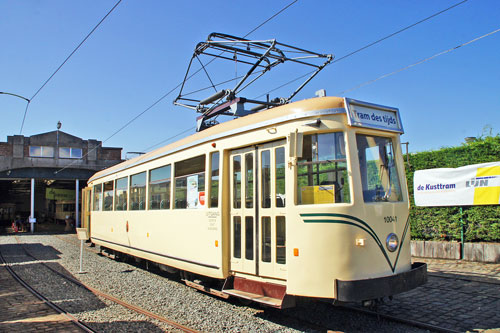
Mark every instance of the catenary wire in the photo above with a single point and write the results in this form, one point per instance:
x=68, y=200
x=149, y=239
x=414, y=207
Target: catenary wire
x=170, y=138
x=419, y=62
x=397, y=32
x=66, y=60
x=162, y=98
x=371, y=44
x=349, y=54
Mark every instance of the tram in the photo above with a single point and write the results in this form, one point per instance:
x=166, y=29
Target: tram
x=306, y=199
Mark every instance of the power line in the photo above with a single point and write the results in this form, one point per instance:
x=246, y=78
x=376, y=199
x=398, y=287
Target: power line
x=66, y=60
x=420, y=62
x=269, y=19
x=170, y=138
x=399, y=31
x=160, y=99
x=249, y=33
x=373, y=43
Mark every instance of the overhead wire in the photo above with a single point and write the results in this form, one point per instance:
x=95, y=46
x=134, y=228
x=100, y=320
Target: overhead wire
x=66, y=60
x=351, y=53
x=372, y=44
x=419, y=62
x=399, y=31
x=164, y=96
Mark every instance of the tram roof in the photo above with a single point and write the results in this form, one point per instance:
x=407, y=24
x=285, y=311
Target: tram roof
x=227, y=129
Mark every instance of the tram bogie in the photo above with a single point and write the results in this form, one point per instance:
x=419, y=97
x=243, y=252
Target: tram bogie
x=307, y=199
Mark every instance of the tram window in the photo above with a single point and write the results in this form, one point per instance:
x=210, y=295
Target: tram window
x=379, y=173
x=249, y=180
x=249, y=237
x=266, y=178
x=280, y=176
x=159, y=188
x=190, y=183
x=108, y=196
x=237, y=236
x=266, y=239
x=280, y=240
x=138, y=191
x=322, y=175
x=121, y=187
x=237, y=181
x=214, y=179
x=97, y=197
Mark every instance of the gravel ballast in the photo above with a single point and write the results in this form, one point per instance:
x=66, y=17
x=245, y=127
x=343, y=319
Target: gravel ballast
x=157, y=293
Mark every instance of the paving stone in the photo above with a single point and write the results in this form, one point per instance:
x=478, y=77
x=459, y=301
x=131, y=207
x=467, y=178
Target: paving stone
x=21, y=311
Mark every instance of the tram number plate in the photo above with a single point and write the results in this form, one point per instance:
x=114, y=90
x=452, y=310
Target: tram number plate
x=390, y=219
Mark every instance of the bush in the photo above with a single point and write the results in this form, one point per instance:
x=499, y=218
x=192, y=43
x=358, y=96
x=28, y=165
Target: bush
x=443, y=223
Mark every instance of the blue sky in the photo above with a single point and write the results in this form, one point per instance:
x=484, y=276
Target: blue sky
x=141, y=51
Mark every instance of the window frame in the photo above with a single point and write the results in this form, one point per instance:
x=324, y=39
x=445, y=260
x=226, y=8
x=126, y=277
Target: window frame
x=71, y=150
x=42, y=148
x=97, y=206
x=211, y=198
x=151, y=183
x=340, y=149
x=116, y=189
x=144, y=196
x=182, y=175
x=400, y=182
x=105, y=192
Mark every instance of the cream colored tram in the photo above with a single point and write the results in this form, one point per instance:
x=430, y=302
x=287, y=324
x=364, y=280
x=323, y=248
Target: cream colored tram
x=305, y=199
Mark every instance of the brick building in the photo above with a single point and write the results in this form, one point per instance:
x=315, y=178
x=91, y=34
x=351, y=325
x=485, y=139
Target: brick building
x=41, y=176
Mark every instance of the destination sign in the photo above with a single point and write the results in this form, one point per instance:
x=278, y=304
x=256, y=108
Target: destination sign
x=362, y=114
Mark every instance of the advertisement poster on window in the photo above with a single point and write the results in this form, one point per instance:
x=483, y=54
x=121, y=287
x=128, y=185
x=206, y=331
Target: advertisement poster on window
x=470, y=185
x=193, y=197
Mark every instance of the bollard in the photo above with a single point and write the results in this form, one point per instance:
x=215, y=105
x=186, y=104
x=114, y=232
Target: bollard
x=83, y=235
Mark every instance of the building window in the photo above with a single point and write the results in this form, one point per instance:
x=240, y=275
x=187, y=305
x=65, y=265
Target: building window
x=65, y=152
x=42, y=151
x=138, y=191
x=159, y=188
x=108, y=196
x=190, y=183
x=121, y=186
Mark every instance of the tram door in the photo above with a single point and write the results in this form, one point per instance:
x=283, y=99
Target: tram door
x=86, y=206
x=258, y=201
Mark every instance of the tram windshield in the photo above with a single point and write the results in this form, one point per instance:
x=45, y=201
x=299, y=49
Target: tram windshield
x=379, y=173
x=322, y=170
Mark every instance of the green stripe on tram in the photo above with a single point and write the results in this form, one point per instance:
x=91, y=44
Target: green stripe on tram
x=329, y=218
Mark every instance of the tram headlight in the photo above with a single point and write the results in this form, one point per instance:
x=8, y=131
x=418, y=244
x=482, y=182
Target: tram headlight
x=392, y=242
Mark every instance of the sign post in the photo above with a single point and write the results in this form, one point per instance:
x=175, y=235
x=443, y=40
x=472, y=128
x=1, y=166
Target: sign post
x=83, y=235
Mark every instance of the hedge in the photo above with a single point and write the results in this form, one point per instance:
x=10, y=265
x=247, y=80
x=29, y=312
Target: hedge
x=482, y=223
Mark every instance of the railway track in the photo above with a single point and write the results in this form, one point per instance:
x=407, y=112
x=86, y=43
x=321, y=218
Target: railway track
x=319, y=327
x=322, y=317
x=46, y=301
x=95, y=291
x=308, y=323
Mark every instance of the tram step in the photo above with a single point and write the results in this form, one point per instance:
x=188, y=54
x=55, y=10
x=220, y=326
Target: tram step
x=261, y=292
x=274, y=302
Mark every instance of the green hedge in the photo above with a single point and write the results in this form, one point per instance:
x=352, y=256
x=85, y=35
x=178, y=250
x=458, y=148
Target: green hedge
x=443, y=223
